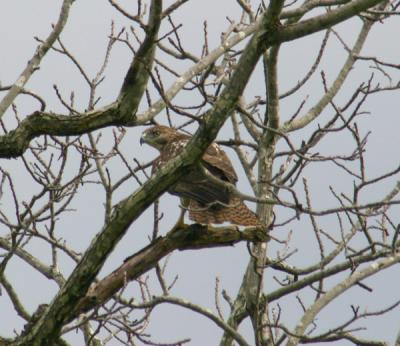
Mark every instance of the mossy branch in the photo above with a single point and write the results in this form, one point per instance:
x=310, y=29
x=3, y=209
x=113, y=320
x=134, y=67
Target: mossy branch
x=191, y=237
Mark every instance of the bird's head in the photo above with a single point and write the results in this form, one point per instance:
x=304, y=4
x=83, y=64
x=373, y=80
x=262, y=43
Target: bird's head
x=158, y=136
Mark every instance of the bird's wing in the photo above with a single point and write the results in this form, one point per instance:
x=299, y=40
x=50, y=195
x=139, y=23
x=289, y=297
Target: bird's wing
x=218, y=163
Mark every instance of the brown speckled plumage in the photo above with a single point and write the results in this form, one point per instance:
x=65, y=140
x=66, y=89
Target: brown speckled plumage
x=209, y=202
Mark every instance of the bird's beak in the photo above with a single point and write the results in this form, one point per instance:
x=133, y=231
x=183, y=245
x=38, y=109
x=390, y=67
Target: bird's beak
x=141, y=140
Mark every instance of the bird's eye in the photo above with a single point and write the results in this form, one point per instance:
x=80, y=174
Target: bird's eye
x=155, y=133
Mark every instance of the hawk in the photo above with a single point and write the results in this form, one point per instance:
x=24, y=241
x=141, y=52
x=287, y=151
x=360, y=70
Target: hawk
x=208, y=200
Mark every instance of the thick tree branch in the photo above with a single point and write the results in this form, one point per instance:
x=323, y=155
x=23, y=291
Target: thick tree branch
x=247, y=300
x=135, y=82
x=307, y=6
x=325, y=21
x=190, y=237
x=15, y=142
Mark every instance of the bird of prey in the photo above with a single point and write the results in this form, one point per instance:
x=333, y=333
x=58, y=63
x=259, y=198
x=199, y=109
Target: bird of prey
x=209, y=201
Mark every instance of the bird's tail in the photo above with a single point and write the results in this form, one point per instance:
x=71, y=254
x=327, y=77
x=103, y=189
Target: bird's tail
x=236, y=213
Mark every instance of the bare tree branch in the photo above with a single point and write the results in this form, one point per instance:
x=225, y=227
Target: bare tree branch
x=34, y=62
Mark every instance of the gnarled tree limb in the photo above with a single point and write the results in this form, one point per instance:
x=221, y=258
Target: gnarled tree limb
x=190, y=237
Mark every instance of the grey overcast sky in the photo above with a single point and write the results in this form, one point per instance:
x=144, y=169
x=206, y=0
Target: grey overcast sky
x=86, y=37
